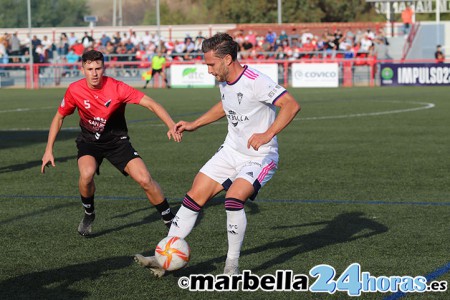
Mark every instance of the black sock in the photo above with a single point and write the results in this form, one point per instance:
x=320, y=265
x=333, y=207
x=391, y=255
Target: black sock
x=164, y=210
x=88, y=204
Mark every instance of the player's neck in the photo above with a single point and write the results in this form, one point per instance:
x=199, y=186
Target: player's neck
x=235, y=70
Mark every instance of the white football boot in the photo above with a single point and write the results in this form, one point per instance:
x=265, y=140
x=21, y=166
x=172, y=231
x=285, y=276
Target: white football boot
x=231, y=267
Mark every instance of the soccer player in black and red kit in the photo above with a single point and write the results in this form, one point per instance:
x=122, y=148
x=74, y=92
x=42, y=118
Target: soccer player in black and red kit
x=101, y=102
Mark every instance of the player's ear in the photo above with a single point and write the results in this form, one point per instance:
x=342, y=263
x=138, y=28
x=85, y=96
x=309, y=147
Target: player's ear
x=228, y=59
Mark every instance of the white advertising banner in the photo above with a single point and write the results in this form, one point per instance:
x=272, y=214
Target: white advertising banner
x=270, y=70
x=315, y=75
x=195, y=75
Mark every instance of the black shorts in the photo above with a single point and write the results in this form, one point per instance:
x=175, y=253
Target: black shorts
x=118, y=153
x=156, y=71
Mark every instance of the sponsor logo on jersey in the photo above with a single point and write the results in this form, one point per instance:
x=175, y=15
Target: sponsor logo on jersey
x=63, y=102
x=250, y=174
x=240, y=96
x=235, y=119
x=107, y=103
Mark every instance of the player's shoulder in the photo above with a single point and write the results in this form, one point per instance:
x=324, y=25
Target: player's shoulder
x=79, y=84
x=257, y=76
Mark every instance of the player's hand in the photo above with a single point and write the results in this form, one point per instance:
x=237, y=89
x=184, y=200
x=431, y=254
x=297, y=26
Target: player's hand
x=173, y=133
x=47, y=160
x=184, y=126
x=258, y=139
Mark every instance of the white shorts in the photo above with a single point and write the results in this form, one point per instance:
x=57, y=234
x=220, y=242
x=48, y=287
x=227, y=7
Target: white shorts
x=228, y=164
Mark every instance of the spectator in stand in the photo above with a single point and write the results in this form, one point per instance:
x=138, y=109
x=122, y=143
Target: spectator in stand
x=246, y=45
x=14, y=48
x=105, y=39
x=63, y=45
x=199, y=36
x=338, y=37
x=407, y=19
x=439, y=55
x=283, y=36
x=366, y=43
x=306, y=34
x=294, y=38
x=135, y=40
x=251, y=36
x=87, y=40
x=198, y=46
x=169, y=46
x=39, y=54
x=35, y=42
x=48, y=48
x=239, y=37
x=117, y=38
x=349, y=36
x=146, y=39
x=309, y=48
x=4, y=59
x=109, y=49
x=72, y=39
x=349, y=51
x=157, y=40
x=380, y=50
x=382, y=36
x=270, y=38
x=179, y=49
x=78, y=48
x=278, y=49
x=188, y=49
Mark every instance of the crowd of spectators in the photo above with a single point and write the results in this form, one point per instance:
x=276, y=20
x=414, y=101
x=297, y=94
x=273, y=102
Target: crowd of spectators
x=130, y=46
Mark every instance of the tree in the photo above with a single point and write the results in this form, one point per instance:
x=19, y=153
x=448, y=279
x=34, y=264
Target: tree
x=44, y=13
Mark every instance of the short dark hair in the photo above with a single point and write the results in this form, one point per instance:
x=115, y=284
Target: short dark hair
x=222, y=44
x=92, y=55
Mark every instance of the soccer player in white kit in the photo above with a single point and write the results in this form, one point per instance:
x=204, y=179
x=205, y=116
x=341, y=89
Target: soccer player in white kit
x=249, y=156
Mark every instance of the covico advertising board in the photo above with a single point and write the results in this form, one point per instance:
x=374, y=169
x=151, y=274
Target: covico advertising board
x=184, y=76
x=315, y=75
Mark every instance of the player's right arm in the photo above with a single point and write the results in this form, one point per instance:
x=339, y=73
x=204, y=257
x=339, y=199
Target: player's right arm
x=215, y=113
x=55, y=127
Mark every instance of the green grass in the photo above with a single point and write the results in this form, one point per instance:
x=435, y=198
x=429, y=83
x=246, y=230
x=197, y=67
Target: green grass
x=363, y=177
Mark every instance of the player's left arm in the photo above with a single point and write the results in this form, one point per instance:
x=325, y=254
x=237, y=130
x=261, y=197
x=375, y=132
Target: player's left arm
x=288, y=110
x=159, y=111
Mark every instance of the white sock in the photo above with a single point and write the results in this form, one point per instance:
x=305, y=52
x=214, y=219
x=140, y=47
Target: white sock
x=183, y=222
x=236, y=225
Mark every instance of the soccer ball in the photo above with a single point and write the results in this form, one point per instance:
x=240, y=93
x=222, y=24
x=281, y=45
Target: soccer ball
x=172, y=253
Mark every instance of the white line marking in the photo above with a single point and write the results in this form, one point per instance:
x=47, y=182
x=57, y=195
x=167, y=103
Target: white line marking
x=25, y=109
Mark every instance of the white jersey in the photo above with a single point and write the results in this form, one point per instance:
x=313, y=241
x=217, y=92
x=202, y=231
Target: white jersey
x=248, y=103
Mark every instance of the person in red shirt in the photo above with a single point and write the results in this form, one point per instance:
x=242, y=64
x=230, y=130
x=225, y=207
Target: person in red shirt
x=407, y=19
x=101, y=102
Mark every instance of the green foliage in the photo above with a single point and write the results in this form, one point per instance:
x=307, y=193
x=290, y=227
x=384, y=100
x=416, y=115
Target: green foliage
x=237, y=11
x=44, y=13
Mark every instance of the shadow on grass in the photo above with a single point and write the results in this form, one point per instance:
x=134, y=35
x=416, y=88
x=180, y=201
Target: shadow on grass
x=33, y=164
x=23, y=138
x=57, y=283
x=346, y=227
x=154, y=216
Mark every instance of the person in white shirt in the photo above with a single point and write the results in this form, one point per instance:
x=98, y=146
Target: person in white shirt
x=249, y=156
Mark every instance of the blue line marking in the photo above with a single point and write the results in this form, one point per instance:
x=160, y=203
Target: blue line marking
x=368, y=202
x=433, y=275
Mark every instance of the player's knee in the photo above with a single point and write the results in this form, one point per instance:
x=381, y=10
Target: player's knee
x=146, y=182
x=87, y=175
